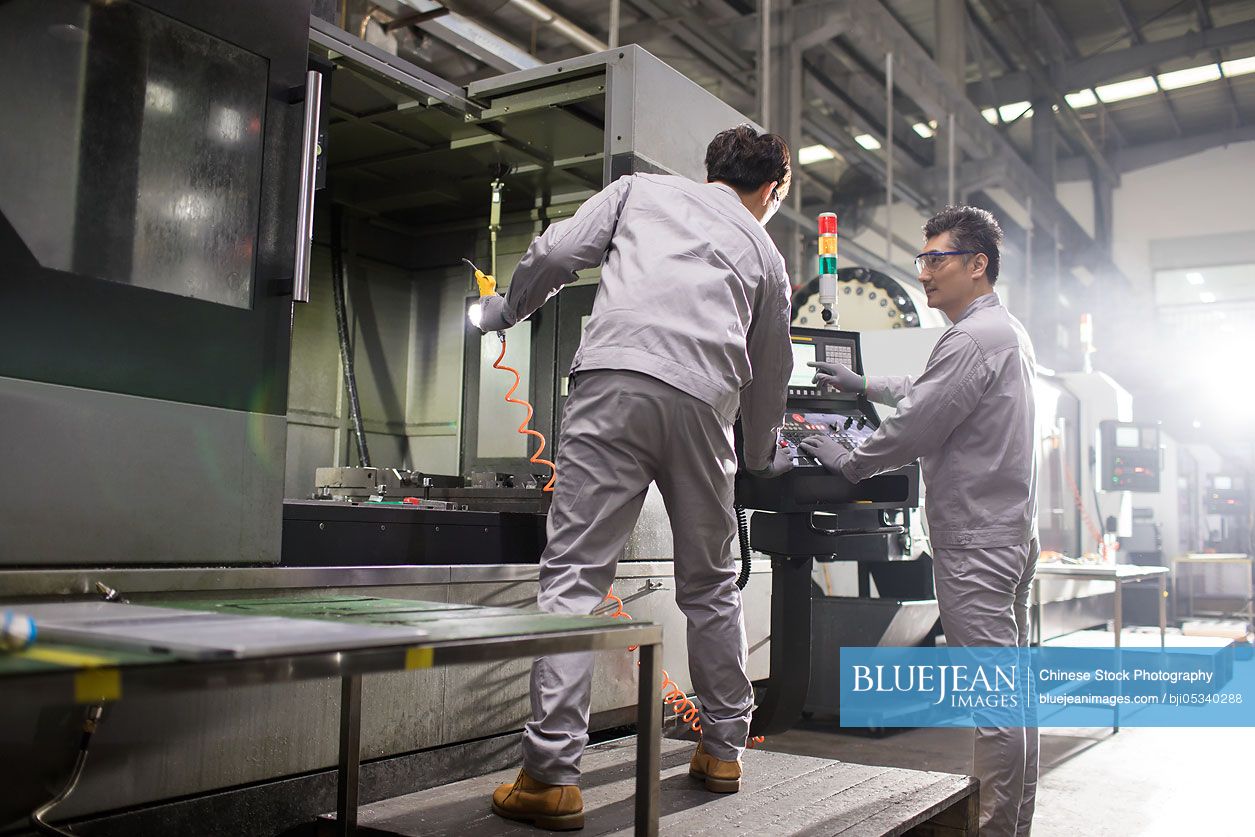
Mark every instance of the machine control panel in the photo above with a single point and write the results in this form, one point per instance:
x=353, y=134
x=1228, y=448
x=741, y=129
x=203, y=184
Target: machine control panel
x=1227, y=494
x=849, y=428
x=1130, y=456
x=814, y=411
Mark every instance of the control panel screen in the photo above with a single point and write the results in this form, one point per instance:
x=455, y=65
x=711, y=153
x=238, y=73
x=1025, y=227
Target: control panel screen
x=803, y=375
x=1222, y=483
x=819, y=346
x=1128, y=437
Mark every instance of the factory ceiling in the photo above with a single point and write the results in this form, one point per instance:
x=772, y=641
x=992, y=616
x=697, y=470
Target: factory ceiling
x=1033, y=94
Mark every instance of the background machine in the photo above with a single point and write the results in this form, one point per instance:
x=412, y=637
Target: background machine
x=229, y=210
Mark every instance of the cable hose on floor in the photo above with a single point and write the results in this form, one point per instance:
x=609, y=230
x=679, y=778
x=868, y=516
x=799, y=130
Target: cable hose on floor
x=743, y=537
x=686, y=712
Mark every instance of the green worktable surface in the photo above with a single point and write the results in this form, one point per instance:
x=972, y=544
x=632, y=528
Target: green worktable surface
x=443, y=622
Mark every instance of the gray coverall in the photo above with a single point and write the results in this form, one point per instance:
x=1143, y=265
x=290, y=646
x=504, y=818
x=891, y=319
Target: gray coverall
x=970, y=419
x=690, y=324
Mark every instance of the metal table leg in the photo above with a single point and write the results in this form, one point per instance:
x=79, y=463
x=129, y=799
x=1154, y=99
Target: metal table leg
x=785, y=698
x=648, y=740
x=1163, y=610
x=1118, y=624
x=350, y=755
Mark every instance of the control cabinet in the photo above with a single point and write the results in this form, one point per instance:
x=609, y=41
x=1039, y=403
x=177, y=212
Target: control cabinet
x=1130, y=455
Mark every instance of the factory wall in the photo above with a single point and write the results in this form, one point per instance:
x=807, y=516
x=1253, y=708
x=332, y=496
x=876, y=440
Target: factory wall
x=1214, y=184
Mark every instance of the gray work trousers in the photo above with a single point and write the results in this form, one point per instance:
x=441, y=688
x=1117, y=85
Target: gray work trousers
x=620, y=432
x=983, y=596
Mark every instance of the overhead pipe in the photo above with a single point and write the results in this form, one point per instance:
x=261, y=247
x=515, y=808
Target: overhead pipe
x=543, y=14
x=613, y=36
x=889, y=157
x=764, y=63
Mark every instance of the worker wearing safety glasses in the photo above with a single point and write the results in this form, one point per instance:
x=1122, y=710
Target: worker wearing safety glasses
x=969, y=419
x=690, y=326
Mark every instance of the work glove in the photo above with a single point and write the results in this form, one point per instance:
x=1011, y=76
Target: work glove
x=839, y=377
x=492, y=314
x=781, y=463
x=826, y=450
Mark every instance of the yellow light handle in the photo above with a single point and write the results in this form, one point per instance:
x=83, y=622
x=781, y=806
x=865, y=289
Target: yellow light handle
x=487, y=284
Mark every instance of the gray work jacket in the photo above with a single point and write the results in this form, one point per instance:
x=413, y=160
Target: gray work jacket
x=693, y=293
x=970, y=419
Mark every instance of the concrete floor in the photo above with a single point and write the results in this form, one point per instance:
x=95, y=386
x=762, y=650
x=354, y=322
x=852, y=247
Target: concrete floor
x=1139, y=782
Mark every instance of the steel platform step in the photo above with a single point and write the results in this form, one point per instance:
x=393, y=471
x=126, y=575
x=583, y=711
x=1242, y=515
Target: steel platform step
x=781, y=794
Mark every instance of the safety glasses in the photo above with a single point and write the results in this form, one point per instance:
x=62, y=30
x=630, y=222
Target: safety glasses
x=932, y=261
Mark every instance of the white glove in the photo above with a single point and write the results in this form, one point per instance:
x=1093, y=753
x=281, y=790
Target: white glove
x=827, y=451
x=839, y=377
x=781, y=463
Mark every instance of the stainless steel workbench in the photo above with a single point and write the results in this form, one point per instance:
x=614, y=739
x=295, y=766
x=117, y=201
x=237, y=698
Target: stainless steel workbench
x=1119, y=574
x=62, y=673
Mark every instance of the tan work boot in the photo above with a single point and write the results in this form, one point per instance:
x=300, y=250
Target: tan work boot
x=555, y=807
x=721, y=776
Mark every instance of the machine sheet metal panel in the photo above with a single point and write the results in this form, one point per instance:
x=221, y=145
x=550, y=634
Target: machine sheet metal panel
x=153, y=482
x=644, y=96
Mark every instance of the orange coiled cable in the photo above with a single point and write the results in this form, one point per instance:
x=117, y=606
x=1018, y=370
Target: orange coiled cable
x=523, y=428
x=672, y=695
x=1094, y=531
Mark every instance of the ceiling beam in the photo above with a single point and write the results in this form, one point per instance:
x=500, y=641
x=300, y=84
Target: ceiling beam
x=1110, y=66
x=1130, y=21
x=1134, y=157
x=1204, y=20
x=1044, y=83
x=1071, y=53
x=875, y=31
x=850, y=79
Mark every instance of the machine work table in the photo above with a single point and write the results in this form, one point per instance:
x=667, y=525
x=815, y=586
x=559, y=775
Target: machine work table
x=1120, y=574
x=109, y=657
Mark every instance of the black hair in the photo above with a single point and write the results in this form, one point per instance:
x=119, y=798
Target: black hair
x=971, y=228
x=746, y=159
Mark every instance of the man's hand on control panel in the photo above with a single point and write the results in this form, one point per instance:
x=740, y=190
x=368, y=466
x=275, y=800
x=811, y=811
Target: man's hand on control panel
x=838, y=376
x=781, y=463
x=826, y=450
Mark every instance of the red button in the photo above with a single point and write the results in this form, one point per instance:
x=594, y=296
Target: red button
x=799, y=418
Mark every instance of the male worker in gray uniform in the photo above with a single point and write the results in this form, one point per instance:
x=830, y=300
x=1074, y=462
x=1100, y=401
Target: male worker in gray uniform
x=690, y=325
x=970, y=420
